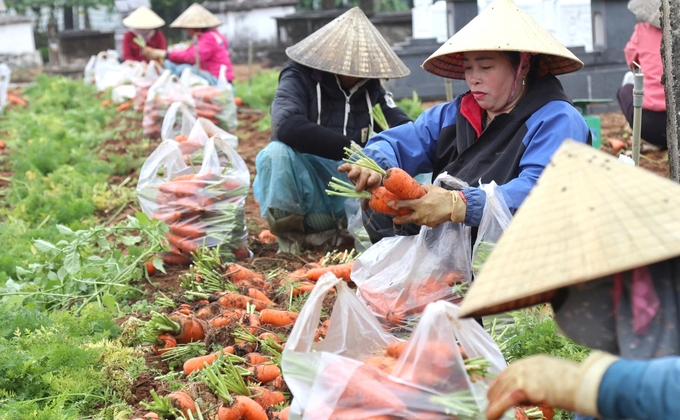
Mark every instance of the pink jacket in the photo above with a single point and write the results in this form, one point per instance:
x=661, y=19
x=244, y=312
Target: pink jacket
x=644, y=47
x=213, y=51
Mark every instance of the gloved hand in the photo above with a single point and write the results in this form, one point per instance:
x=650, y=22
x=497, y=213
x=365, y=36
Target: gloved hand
x=363, y=179
x=439, y=205
x=549, y=381
x=154, y=54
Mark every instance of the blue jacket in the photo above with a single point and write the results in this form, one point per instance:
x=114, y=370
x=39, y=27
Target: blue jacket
x=512, y=150
x=641, y=390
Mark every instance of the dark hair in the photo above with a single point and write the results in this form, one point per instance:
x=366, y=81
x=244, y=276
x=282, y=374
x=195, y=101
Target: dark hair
x=534, y=65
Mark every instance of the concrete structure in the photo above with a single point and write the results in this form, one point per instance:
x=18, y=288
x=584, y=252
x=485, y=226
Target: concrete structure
x=17, y=47
x=250, y=22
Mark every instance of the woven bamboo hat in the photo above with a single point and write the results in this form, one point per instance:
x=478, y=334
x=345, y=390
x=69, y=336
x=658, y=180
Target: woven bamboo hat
x=646, y=11
x=349, y=45
x=196, y=17
x=502, y=26
x=588, y=216
x=143, y=18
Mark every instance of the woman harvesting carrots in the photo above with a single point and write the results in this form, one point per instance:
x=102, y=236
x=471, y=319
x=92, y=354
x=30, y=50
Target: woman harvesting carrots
x=504, y=129
x=323, y=103
x=622, y=298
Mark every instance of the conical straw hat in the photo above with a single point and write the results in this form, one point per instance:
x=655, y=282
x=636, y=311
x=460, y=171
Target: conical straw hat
x=588, y=216
x=196, y=17
x=502, y=26
x=646, y=11
x=349, y=45
x=143, y=18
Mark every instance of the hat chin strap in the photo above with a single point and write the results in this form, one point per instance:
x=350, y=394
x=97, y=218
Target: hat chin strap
x=523, y=62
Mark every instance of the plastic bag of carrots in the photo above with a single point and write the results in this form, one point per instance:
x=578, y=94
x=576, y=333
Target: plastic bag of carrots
x=359, y=371
x=495, y=219
x=203, y=205
x=5, y=76
x=166, y=90
x=178, y=121
x=192, y=141
x=152, y=71
x=216, y=103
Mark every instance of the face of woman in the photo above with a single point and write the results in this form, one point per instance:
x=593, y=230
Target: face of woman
x=348, y=81
x=490, y=76
x=192, y=32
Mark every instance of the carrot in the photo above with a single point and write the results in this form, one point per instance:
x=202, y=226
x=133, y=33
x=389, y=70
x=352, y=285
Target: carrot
x=367, y=389
x=181, y=243
x=235, y=300
x=400, y=183
x=265, y=397
x=520, y=414
x=208, y=312
x=2, y=145
x=259, y=294
x=175, y=258
x=256, y=358
x=167, y=217
x=267, y=237
x=181, y=188
x=341, y=271
x=252, y=322
x=16, y=100
x=181, y=137
x=304, y=287
x=270, y=336
x=379, y=199
x=188, y=230
x=616, y=144
x=396, y=348
x=278, y=318
x=183, y=402
x=222, y=321
x=190, y=328
x=211, y=115
x=168, y=342
x=149, y=267
x=199, y=362
x=243, y=408
x=237, y=272
x=265, y=372
x=124, y=106
x=279, y=383
x=148, y=416
x=384, y=363
x=238, y=100
x=106, y=103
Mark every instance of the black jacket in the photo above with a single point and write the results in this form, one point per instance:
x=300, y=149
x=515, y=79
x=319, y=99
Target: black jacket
x=294, y=111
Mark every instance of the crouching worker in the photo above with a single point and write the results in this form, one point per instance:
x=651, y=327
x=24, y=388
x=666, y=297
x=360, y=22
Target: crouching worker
x=323, y=102
x=607, y=258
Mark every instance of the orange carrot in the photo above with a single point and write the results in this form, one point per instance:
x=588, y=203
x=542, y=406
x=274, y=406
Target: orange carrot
x=106, y=103
x=167, y=217
x=259, y=294
x=208, y=312
x=265, y=397
x=183, y=402
x=149, y=267
x=379, y=199
x=124, y=106
x=278, y=318
x=16, y=100
x=238, y=101
x=192, y=230
x=396, y=348
x=401, y=184
x=341, y=271
x=190, y=328
x=182, y=188
x=304, y=287
x=267, y=237
x=616, y=144
x=384, y=363
x=279, y=384
x=238, y=272
x=243, y=408
x=265, y=372
x=181, y=137
x=199, y=362
x=367, y=389
x=256, y=358
x=175, y=258
x=252, y=322
x=168, y=342
x=181, y=243
x=235, y=300
x=270, y=336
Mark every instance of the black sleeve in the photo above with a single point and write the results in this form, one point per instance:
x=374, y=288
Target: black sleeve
x=395, y=116
x=291, y=126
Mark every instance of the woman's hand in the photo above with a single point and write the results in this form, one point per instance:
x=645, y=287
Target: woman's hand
x=549, y=381
x=439, y=205
x=364, y=178
x=154, y=54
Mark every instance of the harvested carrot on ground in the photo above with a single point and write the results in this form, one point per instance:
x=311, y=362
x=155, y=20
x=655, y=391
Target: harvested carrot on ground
x=167, y=342
x=256, y=358
x=341, y=271
x=237, y=272
x=265, y=372
x=278, y=318
x=190, y=328
x=183, y=402
x=259, y=295
x=124, y=106
x=199, y=362
x=16, y=100
x=235, y=300
x=266, y=398
x=267, y=237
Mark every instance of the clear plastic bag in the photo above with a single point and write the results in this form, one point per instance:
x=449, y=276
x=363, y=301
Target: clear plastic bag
x=355, y=225
x=143, y=82
x=204, y=205
x=496, y=217
x=398, y=276
x=177, y=123
x=191, y=79
x=107, y=71
x=5, y=77
x=166, y=90
x=216, y=103
x=88, y=74
x=348, y=376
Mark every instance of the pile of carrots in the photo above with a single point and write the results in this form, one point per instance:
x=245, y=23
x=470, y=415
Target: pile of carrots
x=211, y=104
x=202, y=210
x=154, y=112
x=141, y=90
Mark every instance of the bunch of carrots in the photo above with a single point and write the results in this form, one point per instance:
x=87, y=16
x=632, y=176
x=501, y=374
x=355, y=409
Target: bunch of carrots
x=210, y=103
x=202, y=210
x=397, y=184
x=155, y=109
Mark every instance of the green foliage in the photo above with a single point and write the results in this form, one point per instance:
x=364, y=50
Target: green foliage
x=258, y=92
x=413, y=107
